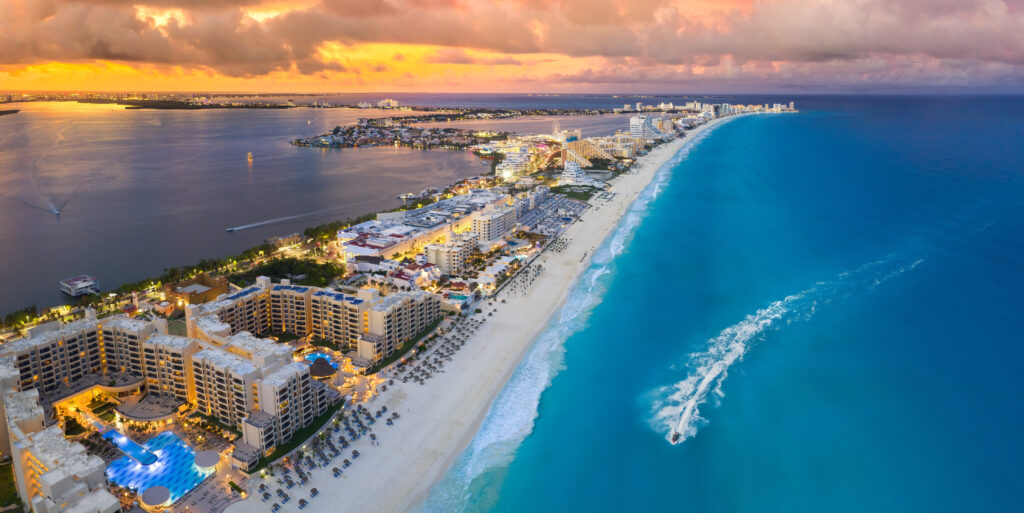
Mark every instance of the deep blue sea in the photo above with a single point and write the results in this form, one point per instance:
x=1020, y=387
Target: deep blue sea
x=826, y=305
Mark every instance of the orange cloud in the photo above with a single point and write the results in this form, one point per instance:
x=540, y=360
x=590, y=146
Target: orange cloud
x=510, y=45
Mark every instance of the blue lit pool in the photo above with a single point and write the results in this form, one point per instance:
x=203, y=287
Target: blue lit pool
x=173, y=467
x=312, y=357
x=127, y=446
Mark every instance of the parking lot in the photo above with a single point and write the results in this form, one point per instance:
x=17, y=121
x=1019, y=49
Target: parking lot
x=552, y=216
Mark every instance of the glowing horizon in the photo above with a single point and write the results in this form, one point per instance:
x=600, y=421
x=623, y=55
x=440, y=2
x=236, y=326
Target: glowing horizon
x=504, y=46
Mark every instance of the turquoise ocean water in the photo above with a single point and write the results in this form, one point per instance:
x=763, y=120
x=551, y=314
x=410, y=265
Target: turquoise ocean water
x=827, y=306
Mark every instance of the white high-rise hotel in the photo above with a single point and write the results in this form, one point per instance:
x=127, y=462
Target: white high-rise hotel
x=451, y=256
x=493, y=223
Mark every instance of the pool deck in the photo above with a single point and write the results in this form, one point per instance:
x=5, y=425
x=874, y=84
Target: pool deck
x=212, y=495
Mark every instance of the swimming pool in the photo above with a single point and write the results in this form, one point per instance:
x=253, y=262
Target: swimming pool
x=312, y=357
x=173, y=466
x=127, y=446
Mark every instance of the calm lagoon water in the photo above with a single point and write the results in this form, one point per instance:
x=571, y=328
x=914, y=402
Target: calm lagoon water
x=147, y=189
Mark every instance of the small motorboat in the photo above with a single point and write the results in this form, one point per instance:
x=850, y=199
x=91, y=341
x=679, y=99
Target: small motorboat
x=675, y=437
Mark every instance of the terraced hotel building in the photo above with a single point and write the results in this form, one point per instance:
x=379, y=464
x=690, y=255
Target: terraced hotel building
x=222, y=367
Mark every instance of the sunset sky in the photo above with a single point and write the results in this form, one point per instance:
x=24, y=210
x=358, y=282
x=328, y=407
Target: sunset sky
x=512, y=45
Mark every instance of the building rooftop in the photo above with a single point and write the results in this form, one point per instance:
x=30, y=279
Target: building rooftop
x=124, y=323
x=387, y=302
x=294, y=288
x=224, y=360
x=171, y=341
x=195, y=288
x=251, y=346
x=337, y=296
x=244, y=292
x=63, y=458
x=82, y=280
x=8, y=370
x=285, y=374
x=96, y=500
x=260, y=419
x=47, y=337
x=212, y=324
x=374, y=236
x=22, y=405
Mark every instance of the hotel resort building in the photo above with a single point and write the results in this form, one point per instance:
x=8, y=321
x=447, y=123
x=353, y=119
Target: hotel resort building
x=494, y=223
x=372, y=325
x=450, y=257
x=51, y=473
x=407, y=232
x=223, y=369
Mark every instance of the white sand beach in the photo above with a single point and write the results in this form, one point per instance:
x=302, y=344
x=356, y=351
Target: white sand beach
x=440, y=418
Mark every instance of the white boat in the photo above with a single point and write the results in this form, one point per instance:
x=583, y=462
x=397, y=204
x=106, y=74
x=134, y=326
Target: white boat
x=80, y=285
x=250, y=156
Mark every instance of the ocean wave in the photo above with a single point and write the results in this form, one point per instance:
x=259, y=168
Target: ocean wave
x=676, y=408
x=639, y=208
x=511, y=416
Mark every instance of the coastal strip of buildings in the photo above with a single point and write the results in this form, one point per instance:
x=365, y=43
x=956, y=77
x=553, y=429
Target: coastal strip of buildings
x=228, y=367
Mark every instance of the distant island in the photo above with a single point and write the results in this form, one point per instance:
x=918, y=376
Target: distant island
x=181, y=105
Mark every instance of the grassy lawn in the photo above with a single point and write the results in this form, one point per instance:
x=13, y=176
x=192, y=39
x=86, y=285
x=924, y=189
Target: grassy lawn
x=316, y=274
x=405, y=348
x=300, y=437
x=8, y=490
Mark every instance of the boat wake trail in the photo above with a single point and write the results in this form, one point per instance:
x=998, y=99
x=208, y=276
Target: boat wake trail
x=676, y=408
x=279, y=220
x=46, y=202
x=50, y=206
